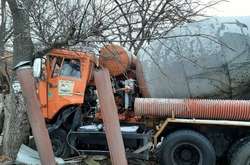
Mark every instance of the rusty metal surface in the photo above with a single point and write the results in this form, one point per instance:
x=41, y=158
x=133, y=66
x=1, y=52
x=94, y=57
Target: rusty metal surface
x=115, y=58
x=194, y=108
x=141, y=80
x=37, y=123
x=110, y=117
x=132, y=61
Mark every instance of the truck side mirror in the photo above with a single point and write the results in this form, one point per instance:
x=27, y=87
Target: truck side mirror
x=37, y=67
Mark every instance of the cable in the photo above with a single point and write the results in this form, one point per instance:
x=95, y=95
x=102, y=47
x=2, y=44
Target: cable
x=71, y=146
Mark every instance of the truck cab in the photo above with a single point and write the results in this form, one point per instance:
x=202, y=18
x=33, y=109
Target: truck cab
x=69, y=104
x=64, y=80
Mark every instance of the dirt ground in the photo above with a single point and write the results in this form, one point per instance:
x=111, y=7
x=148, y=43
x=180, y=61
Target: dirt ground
x=93, y=160
x=87, y=160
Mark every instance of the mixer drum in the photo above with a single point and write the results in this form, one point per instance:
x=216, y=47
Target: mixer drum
x=211, y=61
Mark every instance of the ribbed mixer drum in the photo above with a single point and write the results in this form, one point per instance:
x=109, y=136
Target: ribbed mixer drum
x=211, y=61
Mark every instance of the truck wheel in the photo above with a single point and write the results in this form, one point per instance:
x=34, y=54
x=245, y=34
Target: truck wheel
x=241, y=155
x=59, y=143
x=237, y=145
x=187, y=147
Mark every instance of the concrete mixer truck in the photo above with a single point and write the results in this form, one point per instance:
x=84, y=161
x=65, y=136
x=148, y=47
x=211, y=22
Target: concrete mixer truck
x=167, y=117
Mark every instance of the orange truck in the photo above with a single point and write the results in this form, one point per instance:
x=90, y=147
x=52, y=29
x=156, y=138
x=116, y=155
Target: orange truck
x=171, y=131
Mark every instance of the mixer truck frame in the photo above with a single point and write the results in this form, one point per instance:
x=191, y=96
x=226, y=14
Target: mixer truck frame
x=172, y=131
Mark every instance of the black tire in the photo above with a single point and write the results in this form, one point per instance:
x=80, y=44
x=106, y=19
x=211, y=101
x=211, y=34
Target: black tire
x=59, y=143
x=186, y=147
x=241, y=155
x=237, y=145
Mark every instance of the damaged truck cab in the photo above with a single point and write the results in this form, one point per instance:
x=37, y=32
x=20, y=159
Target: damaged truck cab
x=69, y=103
x=65, y=77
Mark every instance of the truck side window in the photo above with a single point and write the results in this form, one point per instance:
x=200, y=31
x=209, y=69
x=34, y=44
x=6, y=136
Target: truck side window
x=71, y=68
x=57, y=66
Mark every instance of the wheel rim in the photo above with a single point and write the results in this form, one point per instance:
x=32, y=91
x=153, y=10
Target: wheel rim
x=186, y=154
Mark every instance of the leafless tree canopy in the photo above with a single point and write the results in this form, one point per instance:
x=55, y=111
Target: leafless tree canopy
x=57, y=23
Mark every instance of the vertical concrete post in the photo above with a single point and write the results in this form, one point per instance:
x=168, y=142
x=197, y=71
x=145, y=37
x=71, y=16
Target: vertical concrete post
x=110, y=117
x=37, y=123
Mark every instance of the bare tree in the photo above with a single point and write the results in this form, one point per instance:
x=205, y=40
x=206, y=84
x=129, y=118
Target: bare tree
x=16, y=127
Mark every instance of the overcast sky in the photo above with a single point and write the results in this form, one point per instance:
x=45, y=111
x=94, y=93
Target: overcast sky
x=231, y=8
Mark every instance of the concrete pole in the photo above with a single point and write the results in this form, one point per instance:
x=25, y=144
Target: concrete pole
x=110, y=117
x=37, y=123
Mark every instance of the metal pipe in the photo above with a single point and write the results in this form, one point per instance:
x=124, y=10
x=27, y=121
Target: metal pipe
x=141, y=79
x=37, y=123
x=194, y=108
x=110, y=117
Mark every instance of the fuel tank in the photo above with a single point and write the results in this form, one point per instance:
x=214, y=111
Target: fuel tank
x=206, y=59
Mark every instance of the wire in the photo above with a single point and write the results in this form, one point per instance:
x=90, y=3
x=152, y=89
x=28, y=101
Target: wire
x=71, y=146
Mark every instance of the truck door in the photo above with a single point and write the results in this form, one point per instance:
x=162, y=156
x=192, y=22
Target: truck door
x=66, y=84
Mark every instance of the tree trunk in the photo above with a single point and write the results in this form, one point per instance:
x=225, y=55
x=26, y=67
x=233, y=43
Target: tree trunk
x=1, y=112
x=16, y=125
x=2, y=27
x=23, y=45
